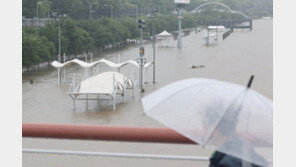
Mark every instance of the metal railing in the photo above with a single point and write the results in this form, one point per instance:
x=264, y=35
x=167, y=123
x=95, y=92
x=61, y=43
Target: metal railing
x=117, y=155
x=108, y=133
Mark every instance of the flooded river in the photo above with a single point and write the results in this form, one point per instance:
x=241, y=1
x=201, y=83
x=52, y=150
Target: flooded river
x=234, y=59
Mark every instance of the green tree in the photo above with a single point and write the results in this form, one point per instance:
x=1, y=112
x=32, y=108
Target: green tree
x=29, y=51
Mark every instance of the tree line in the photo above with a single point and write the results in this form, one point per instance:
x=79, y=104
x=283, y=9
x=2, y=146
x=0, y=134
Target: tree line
x=83, y=9
x=41, y=44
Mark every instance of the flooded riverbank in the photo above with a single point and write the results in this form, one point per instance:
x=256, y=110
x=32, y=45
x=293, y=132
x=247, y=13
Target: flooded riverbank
x=243, y=53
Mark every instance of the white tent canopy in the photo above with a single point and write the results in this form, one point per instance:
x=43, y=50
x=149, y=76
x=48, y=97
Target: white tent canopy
x=164, y=34
x=166, y=38
x=103, y=83
x=107, y=83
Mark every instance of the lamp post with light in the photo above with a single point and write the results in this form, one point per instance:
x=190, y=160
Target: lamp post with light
x=111, y=10
x=155, y=9
x=58, y=18
x=141, y=60
x=38, y=3
x=180, y=5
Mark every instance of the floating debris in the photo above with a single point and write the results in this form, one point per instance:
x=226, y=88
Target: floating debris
x=197, y=66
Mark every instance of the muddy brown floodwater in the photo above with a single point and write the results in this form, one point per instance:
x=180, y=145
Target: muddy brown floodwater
x=234, y=60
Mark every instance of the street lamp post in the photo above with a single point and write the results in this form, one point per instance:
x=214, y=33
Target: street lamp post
x=179, y=6
x=153, y=45
x=38, y=3
x=58, y=17
x=195, y=22
x=59, y=58
x=141, y=60
x=91, y=11
x=111, y=12
x=154, y=41
x=137, y=10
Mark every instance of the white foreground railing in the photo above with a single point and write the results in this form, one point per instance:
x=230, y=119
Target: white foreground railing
x=118, y=155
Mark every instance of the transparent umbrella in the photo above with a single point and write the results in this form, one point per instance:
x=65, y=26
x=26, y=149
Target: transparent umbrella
x=230, y=118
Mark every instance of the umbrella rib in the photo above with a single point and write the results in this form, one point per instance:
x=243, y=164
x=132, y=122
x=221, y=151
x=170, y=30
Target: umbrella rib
x=215, y=127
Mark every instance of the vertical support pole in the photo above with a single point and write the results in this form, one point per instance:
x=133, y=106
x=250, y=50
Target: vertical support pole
x=74, y=88
x=73, y=83
x=208, y=36
x=124, y=95
x=86, y=101
x=64, y=57
x=114, y=92
x=91, y=57
x=179, y=30
x=217, y=33
x=137, y=12
x=251, y=24
x=133, y=91
x=124, y=86
x=86, y=73
x=153, y=45
x=59, y=76
x=111, y=12
x=195, y=22
x=64, y=75
x=89, y=17
x=141, y=75
x=141, y=78
x=141, y=64
x=146, y=77
x=60, y=56
x=85, y=57
x=37, y=11
x=114, y=103
x=141, y=42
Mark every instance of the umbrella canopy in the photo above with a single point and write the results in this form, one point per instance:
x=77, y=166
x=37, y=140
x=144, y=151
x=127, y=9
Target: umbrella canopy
x=228, y=117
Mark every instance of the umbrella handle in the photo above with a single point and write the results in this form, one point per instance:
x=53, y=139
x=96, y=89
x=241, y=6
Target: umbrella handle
x=250, y=81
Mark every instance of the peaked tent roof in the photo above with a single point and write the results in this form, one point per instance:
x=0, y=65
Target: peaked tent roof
x=164, y=33
x=103, y=83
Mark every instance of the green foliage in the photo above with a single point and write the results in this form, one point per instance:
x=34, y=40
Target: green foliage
x=29, y=9
x=79, y=9
x=131, y=26
x=36, y=48
x=79, y=34
x=29, y=51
